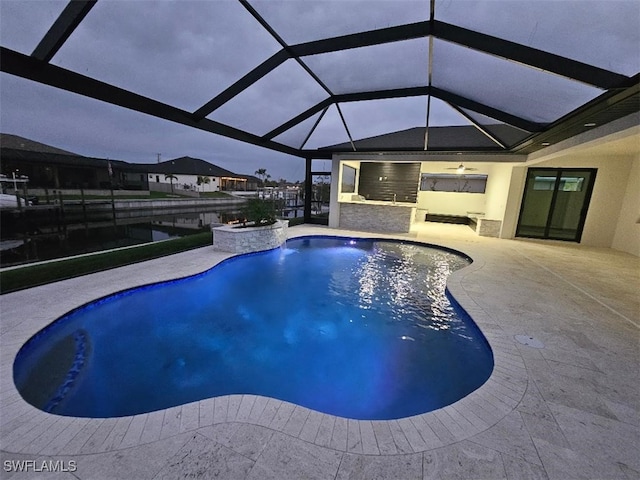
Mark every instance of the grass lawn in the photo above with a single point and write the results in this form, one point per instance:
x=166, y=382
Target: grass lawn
x=31, y=276
x=151, y=195
x=215, y=195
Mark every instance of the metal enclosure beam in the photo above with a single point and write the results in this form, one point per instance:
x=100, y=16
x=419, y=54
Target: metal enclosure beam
x=62, y=28
x=344, y=98
x=478, y=107
x=30, y=68
x=249, y=79
x=480, y=128
x=308, y=190
x=532, y=57
x=364, y=39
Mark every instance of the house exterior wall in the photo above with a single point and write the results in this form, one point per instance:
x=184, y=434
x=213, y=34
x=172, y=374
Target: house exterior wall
x=608, y=194
x=627, y=233
x=450, y=203
x=515, y=190
x=186, y=182
x=491, y=205
x=497, y=192
x=613, y=216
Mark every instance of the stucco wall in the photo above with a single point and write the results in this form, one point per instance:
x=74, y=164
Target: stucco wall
x=451, y=203
x=190, y=180
x=514, y=200
x=497, y=191
x=627, y=233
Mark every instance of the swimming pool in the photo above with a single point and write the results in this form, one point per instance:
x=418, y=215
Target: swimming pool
x=358, y=328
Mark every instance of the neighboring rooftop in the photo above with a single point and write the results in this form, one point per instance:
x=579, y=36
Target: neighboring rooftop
x=412, y=139
x=192, y=166
x=19, y=148
x=16, y=142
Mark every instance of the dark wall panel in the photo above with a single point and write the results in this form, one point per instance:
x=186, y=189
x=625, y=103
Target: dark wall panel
x=380, y=180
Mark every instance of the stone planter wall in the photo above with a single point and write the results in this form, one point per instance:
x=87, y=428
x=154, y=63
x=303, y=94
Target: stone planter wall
x=227, y=238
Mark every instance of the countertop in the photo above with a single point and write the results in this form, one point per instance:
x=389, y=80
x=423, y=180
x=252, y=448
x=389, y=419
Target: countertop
x=380, y=202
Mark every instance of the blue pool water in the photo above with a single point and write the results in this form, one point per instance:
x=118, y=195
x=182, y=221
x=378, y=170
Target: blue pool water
x=362, y=329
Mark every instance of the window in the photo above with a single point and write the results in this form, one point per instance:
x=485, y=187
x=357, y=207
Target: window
x=348, y=179
x=567, y=184
x=449, y=182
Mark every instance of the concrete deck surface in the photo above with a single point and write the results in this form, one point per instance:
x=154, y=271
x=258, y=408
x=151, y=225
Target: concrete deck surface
x=568, y=410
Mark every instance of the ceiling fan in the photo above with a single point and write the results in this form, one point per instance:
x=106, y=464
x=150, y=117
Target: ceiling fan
x=461, y=169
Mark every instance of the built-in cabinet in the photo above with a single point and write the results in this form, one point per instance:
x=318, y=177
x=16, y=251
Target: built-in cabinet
x=389, y=182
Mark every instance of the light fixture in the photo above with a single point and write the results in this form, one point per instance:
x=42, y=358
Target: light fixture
x=590, y=124
x=545, y=144
x=460, y=170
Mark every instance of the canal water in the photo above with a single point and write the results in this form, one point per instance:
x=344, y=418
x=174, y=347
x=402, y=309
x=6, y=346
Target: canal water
x=46, y=232
x=48, y=238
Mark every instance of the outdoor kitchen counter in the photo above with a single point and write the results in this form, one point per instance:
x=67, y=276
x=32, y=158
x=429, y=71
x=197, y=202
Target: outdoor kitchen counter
x=379, y=216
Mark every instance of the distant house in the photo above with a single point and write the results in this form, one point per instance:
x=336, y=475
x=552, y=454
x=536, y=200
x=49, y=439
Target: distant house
x=50, y=167
x=252, y=182
x=54, y=168
x=187, y=173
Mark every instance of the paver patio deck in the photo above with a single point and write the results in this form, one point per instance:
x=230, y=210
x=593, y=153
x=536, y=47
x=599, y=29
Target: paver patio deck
x=568, y=410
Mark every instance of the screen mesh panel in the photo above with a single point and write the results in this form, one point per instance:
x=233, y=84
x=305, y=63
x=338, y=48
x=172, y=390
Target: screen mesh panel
x=291, y=92
x=603, y=33
x=508, y=86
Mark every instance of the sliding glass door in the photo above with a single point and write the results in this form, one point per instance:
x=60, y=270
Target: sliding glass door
x=555, y=203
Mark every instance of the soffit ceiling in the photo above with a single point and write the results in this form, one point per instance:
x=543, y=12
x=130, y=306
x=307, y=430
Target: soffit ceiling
x=296, y=76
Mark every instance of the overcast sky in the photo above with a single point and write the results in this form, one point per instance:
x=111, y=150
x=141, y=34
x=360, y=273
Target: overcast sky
x=185, y=53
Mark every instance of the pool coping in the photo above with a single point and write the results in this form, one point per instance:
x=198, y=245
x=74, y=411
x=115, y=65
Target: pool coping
x=27, y=430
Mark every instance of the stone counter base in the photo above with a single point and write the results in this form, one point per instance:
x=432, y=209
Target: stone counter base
x=227, y=238
x=391, y=218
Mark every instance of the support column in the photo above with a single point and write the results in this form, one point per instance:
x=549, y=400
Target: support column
x=308, y=190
